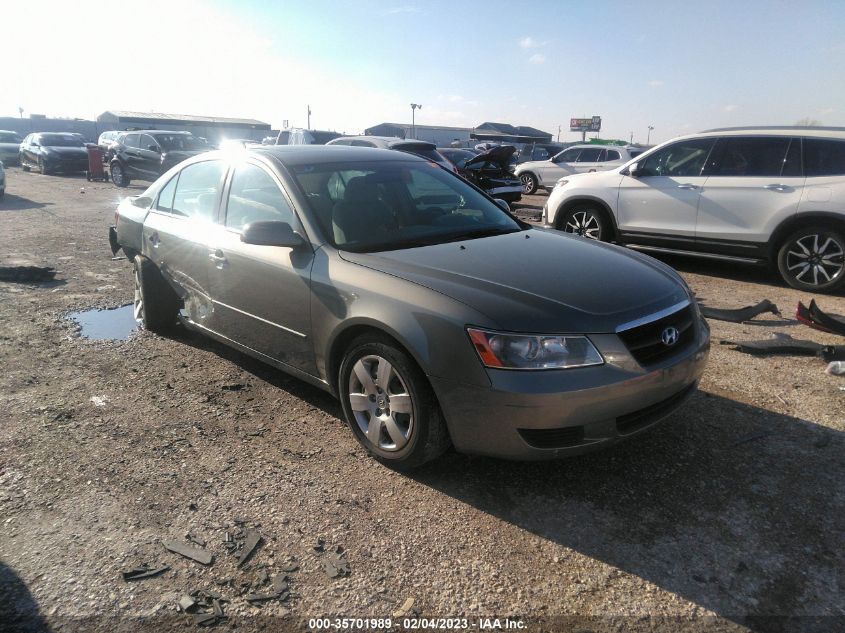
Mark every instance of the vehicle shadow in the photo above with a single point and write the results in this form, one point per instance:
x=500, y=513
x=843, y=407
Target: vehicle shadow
x=294, y=386
x=18, y=609
x=11, y=202
x=736, y=509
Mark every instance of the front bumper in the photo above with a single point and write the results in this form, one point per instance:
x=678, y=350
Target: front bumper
x=547, y=414
x=113, y=243
x=67, y=165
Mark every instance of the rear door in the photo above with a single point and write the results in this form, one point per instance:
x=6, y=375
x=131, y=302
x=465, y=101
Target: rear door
x=261, y=294
x=754, y=183
x=179, y=229
x=661, y=204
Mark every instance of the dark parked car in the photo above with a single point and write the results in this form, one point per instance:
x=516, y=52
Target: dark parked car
x=488, y=170
x=53, y=152
x=407, y=293
x=423, y=149
x=10, y=147
x=147, y=154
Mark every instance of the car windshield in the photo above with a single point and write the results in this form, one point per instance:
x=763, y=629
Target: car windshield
x=60, y=140
x=180, y=142
x=9, y=137
x=379, y=206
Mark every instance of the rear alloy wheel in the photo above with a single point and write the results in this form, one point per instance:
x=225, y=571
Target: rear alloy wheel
x=586, y=222
x=389, y=404
x=23, y=164
x=155, y=304
x=529, y=183
x=118, y=176
x=813, y=259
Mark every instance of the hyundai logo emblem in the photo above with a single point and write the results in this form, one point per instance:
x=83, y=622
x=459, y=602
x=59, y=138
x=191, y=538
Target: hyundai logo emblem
x=670, y=336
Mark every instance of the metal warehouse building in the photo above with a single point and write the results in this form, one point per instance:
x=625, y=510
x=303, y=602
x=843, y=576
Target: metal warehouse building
x=214, y=129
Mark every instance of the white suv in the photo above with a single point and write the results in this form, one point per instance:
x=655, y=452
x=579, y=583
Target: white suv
x=573, y=160
x=756, y=195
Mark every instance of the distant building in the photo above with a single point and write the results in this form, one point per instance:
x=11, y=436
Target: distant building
x=443, y=136
x=214, y=129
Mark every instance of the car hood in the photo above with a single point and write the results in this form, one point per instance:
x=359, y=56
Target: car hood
x=177, y=156
x=498, y=155
x=537, y=280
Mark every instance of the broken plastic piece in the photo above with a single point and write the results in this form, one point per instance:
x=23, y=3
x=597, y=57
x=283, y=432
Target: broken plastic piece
x=819, y=320
x=205, y=619
x=336, y=565
x=186, y=602
x=741, y=314
x=253, y=538
x=779, y=344
x=142, y=571
x=280, y=584
x=201, y=556
x=404, y=609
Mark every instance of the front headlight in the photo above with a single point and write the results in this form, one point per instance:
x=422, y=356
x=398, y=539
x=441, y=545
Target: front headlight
x=562, y=182
x=533, y=351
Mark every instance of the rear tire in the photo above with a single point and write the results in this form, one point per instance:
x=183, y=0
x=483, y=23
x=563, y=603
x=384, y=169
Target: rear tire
x=529, y=183
x=376, y=374
x=587, y=221
x=156, y=304
x=813, y=259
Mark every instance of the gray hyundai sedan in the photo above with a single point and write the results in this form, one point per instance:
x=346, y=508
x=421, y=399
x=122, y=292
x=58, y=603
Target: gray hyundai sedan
x=435, y=316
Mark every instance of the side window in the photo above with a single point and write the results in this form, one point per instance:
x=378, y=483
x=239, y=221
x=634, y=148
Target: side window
x=540, y=154
x=792, y=163
x=751, y=156
x=165, y=197
x=823, y=157
x=612, y=154
x=131, y=140
x=362, y=144
x=589, y=155
x=255, y=197
x=569, y=156
x=685, y=158
x=147, y=142
x=198, y=189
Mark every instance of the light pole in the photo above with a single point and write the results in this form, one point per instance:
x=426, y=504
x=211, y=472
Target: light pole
x=414, y=107
x=648, y=137
x=309, y=117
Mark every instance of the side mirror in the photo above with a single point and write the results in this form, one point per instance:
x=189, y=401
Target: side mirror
x=634, y=171
x=271, y=233
x=503, y=203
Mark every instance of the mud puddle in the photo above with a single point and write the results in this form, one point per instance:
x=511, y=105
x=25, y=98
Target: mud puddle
x=106, y=325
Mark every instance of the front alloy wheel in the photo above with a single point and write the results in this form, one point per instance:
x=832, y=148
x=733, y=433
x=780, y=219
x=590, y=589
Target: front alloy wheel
x=529, y=183
x=585, y=222
x=813, y=259
x=118, y=177
x=381, y=404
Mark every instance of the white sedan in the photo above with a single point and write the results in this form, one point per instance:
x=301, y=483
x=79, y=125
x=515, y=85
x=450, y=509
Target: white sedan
x=573, y=160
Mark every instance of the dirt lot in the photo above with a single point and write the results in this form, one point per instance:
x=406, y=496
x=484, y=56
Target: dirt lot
x=730, y=518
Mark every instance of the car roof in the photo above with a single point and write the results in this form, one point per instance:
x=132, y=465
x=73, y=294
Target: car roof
x=155, y=132
x=323, y=154
x=773, y=130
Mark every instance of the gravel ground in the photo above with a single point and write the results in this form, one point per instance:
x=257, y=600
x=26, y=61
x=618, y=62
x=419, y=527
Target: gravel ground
x=730, y=518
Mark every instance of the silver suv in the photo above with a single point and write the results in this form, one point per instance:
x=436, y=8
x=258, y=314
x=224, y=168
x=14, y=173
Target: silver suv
x=756, y=195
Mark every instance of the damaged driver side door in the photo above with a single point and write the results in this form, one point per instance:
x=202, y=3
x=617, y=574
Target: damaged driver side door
x=178, y=229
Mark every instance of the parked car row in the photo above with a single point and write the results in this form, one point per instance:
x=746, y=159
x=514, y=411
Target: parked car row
x=404, y=291
x=10, y=144
x=573, y=160
x=50, y=152
x=748, y=195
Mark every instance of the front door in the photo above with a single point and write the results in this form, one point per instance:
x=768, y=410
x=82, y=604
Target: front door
x=590, y=159
x=261, y=293
x=149, y=157
x=660, y=205
x=558, y=166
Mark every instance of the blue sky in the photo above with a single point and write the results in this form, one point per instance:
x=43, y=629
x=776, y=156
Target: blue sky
x=678, y=66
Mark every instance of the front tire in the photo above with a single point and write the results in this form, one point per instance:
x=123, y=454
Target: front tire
x=813, y=259
x=389, y=404
x=586, y=221
x=155, y=304
x=118, y=175
x=42, y=167
x=529, y=183
x=23, y=164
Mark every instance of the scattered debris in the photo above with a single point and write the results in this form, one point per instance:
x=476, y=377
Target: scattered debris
x=236, y=386
x=335, y=564
x=185, y=603
x=404, y=609
x=204, y=557
x=783, y=344
x=836, y=368
x=144, y=571
x=253, y=538
x=741, y=314
x=290, y=567
x=206, y=606
x=816, y=319
x=196, y=540
x=27, y=273
x=320, y=545
x=99, y=401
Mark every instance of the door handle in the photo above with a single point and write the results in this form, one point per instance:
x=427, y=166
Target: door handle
x=218, y=258
x=687, y=186
x=776, y=187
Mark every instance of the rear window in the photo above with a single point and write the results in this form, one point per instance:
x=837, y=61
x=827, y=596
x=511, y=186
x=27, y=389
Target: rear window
x=823, y=157
x=751, y=156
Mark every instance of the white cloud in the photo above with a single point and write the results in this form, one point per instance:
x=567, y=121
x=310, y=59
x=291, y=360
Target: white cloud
x=403, y=9
x=654, y=83
x=537, y=58
x=729, y=108
x=824, y=111
x=527, y=42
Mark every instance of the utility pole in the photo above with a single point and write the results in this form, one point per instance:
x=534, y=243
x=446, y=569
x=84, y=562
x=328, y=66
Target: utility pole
x=20, y=110
x=309, y=117
x=632, y=138
x=558, y=134
x=648, y=138
x=414, y=107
